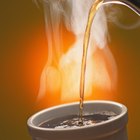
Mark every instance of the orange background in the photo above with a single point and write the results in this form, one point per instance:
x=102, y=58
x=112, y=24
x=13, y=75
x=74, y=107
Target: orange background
x=23, y=54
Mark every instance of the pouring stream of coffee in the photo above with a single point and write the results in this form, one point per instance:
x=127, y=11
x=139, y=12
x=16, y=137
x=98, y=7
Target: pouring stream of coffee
x=134, y=5
x=92, y=13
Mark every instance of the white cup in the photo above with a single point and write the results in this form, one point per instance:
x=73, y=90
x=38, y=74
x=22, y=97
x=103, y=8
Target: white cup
x=113, y=129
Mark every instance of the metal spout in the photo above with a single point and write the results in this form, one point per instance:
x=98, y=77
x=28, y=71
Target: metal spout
x=132, y=4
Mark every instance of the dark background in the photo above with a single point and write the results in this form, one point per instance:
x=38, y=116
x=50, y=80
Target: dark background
x=23, y=53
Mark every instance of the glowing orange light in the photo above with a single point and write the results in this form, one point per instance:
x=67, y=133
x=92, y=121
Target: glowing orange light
x=60, y=82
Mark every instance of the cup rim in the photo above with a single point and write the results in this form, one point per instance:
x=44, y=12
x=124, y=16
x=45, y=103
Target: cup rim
x=33, y=126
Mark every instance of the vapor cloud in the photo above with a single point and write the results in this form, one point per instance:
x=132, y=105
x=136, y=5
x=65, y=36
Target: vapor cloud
x=101, y=66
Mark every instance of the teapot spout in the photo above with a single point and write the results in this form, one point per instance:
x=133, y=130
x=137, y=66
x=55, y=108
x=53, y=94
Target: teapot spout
x=132, y=4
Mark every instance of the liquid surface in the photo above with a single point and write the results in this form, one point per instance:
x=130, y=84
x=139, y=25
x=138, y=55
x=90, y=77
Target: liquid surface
x=73, y=120
x=91, y=16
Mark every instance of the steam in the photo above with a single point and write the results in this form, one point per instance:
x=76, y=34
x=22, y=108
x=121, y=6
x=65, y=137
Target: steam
x=62, y=70
x=116, y=13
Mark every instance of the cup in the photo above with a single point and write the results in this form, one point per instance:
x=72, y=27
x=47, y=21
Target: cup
x=113, y=129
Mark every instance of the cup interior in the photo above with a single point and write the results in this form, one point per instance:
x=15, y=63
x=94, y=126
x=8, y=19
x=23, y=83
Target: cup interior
x=90, y=107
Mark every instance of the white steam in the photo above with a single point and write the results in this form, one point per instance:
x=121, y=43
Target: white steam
x=74, y=14
x=122, y=16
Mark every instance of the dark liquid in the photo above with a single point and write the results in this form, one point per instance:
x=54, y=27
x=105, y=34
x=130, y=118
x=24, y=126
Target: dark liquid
x=72, y=121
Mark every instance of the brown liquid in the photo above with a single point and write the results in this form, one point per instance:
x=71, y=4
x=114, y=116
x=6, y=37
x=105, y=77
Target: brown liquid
x=72, y=121
x=91, y=16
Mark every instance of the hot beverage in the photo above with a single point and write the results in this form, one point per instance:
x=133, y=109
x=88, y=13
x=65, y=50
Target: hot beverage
x=72, y=121
x=91, y=16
